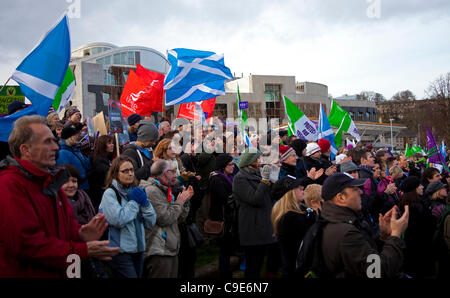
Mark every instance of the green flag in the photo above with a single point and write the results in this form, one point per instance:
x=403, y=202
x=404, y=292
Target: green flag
x=242, y=116
x=65, y=91
x=340, y=118
x=299, y=124
x=408, y=151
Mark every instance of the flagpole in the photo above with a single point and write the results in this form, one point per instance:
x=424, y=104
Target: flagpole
x=5, y=84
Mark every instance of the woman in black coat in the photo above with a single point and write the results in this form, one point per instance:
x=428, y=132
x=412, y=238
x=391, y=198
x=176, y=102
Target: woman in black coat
x=220, y=187
x=418, y=237
x=101, y=161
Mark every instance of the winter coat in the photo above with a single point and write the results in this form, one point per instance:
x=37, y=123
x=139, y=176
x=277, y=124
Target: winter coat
x=83, y=209
x=100, y=169
x=38, y=229
x=164, y=238
x=141, y=162
x=418, y=239
x=220, y=190
x=72, y=156
x=291, y=228
x=286, y=170
x=255, y=208
x=346, y=244
x=127, y=220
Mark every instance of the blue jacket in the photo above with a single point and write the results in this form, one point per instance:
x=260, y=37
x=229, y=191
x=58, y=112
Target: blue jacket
x=127, y=221
x=72, y=156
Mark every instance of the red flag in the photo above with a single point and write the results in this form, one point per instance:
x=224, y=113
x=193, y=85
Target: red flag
x=154, y=91
x=131, y=98
x=188, y=110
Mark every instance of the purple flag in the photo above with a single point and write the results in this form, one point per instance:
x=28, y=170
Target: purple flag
x=434, y=154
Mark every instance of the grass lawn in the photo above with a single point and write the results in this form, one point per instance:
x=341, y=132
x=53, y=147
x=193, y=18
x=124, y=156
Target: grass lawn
x=206, y=254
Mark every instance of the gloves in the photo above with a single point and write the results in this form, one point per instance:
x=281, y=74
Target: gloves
x=265, y=173
x=138, y=195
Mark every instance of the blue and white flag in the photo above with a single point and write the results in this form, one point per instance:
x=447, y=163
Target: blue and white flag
x=194, y=76
x=443, y=150
x=41, y=73
x=325, y=132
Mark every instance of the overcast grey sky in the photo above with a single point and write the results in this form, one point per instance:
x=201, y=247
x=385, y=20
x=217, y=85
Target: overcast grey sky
x=353, y=45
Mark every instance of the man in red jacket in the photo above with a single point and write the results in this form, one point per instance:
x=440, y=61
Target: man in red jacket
x=38, y=231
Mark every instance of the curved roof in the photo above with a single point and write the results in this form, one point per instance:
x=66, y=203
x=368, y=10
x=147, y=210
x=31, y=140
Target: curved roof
x=95, y=44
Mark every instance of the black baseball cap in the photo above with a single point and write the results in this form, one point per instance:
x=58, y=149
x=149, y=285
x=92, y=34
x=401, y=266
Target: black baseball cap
x=337, y=182
x=15, y=106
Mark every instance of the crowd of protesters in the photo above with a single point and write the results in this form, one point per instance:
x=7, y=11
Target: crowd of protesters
x=142, y=211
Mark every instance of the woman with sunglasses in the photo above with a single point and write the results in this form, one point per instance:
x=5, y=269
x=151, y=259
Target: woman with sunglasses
x=128, y=212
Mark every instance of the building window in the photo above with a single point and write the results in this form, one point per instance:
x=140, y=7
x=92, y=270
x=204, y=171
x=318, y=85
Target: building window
x=107, y=60
x=367, y=116
x=117, y=58
x=108, y=78
x=100, y=61
x=300, y=88
x=272, y=92
x=220, y=110
x=96, y=51
x=360, y=116
x=253, y=111
x=131, y=60
x=87, y=52
x=123, y=58
x=273, y=110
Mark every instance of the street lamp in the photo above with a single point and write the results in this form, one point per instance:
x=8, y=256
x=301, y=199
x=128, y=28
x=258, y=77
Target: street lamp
x=392, y=147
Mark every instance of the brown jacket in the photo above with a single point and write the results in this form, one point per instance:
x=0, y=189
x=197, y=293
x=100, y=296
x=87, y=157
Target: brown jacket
x=346, y=245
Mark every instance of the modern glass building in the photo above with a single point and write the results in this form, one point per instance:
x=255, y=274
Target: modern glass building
x=101, y=70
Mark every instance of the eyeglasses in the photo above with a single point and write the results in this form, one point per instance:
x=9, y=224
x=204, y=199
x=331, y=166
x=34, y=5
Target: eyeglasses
x=126, y=171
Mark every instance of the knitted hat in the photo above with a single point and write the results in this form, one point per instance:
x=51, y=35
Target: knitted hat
x=324, y=145
x=147, y=131
x=222, y=160
x=248, y=157
x=133, y=119
x=70, y=112
x=312, y=148
x=340, y=157
x=434, y=187
x=285, y=152
x=69, y=131
x=410, y=184
x=299, y=145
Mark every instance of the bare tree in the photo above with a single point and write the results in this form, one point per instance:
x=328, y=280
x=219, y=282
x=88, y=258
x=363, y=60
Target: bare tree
x=439, y=88
x=405, y=95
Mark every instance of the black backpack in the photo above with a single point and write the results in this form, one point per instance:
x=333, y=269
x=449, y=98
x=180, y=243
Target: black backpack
x=310, y=263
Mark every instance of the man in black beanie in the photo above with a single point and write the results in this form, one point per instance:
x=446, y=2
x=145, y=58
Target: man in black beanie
x=141, y=151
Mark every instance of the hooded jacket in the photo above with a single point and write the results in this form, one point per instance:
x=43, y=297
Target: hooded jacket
x=38, y=230
x=164, y=238
x=346, y=244
x=72, y=156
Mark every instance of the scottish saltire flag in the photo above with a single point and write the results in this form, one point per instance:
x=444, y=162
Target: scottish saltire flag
x=41, y=73
x=242, y=116
x=299, y=124
x=194, y=76
x=325, y=132
x=434, y=155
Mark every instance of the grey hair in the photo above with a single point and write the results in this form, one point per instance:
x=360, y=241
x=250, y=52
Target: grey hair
x=22, y=132
x=159, y=167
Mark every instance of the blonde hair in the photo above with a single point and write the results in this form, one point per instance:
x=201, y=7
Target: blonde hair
x=395, y=172
x=287, y=203
x=313, y=192
x=436, y=196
